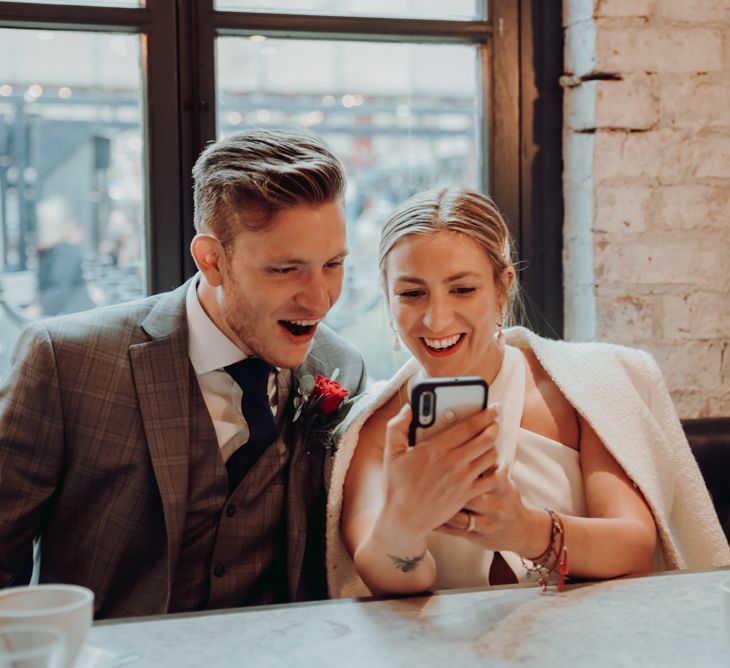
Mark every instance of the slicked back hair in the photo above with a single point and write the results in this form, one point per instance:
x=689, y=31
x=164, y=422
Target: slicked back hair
x=242, y=181
x=455, y=210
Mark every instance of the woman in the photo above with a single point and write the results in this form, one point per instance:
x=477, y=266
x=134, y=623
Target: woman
x=573, y=469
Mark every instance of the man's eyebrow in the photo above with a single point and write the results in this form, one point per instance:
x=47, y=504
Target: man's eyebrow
x=296, y=261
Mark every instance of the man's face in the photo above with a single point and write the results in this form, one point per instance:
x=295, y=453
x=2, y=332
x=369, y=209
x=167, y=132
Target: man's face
x=280, y=282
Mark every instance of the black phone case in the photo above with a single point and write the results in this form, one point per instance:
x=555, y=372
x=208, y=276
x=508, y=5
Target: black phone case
x=432, y=385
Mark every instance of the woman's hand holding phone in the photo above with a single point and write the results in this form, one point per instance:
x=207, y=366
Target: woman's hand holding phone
x=427, y=485
x=499, y=519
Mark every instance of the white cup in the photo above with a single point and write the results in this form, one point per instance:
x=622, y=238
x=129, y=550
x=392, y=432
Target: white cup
x=725, y=587
x=68, y=608
x=32, y=646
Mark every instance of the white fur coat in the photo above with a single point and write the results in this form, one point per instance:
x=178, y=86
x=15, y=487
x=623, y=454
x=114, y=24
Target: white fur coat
x=621, y=393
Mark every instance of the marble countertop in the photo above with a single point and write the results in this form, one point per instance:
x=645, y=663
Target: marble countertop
x=663, y=620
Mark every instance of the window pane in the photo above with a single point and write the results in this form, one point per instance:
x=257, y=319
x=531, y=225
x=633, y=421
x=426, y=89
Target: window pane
x=403, y=117
x=414, y=9
x=87, y=3
x=72, y=180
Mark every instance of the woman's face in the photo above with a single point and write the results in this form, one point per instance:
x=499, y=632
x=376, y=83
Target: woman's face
x=444, y=302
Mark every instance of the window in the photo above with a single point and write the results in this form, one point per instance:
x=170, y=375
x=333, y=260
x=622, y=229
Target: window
x=98, y=148
x=399, y=122
x=405, y=102
x=421, y=9
x=72, y=209
x=76, y=143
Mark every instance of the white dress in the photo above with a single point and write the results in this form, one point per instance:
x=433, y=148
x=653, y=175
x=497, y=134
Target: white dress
x=547, y=474
x=632, y=414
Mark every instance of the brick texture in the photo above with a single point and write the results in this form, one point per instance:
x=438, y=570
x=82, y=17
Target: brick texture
x=643, y=48
x=647, y=187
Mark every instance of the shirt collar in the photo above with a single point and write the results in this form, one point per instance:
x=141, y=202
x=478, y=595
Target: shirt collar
x=209, y=348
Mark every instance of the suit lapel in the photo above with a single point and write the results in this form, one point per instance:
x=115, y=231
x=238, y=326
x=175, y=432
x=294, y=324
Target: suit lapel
x=296, y=512
x=161, y=376
x=304, y=483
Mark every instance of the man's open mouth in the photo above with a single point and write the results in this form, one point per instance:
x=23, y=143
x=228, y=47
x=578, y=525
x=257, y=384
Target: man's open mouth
x=299, y=327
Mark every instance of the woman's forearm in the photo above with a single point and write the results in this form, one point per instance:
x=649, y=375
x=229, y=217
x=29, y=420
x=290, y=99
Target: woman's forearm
x=606, y=548
x=390, y=562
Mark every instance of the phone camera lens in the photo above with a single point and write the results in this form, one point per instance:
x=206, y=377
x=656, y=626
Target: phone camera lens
x=426, y=405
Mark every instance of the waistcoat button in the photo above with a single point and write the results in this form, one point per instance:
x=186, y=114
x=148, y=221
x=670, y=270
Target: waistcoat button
x=231, y=510
x=220, y=569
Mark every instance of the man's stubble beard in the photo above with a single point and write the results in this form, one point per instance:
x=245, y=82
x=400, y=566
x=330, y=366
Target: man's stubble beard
x=241, y=318
x=237, y=313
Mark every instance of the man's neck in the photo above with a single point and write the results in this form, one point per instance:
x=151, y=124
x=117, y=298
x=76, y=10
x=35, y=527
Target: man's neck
x=208, y=296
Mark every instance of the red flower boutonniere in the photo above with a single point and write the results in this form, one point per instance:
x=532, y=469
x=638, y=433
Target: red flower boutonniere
x=321, y=404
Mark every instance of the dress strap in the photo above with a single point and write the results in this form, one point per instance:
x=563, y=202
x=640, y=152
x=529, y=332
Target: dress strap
x=508, y=388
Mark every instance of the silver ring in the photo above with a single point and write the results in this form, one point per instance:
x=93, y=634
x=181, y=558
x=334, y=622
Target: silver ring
x=472, y=523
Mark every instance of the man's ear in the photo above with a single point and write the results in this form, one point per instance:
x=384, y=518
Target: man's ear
x=210, y=258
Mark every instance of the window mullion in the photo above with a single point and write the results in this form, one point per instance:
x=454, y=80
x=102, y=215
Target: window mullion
x=165, y=194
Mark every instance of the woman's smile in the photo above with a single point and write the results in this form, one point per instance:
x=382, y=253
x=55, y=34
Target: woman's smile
x=444, y=346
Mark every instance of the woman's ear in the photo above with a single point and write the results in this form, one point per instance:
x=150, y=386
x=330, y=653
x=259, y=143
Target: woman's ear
x=507, y=278
x=210, y=258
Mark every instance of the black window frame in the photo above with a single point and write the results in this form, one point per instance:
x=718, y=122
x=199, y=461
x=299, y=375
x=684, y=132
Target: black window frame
x=520, y=43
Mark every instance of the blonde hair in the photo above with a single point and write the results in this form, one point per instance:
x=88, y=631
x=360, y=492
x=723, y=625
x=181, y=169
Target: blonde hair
x=455, y=210
x=242, y=181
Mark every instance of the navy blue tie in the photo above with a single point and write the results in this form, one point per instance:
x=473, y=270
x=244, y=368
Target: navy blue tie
x=252, y=376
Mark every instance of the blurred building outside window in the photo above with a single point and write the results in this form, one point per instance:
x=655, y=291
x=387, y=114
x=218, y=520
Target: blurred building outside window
x=414, y=9
x=402, y=117
x=72, y=200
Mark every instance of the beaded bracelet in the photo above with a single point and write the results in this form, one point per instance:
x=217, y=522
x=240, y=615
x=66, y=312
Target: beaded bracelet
x=540, y=564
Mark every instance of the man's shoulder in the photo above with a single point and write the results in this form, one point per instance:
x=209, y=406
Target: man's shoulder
x=114, y=320
x=118, y=325
x=330, y=351
x=328, y=345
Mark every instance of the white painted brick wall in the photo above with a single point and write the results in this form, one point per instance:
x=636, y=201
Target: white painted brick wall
x=651, y=157
x=623, y=8
x=633, y=45
x=694, y=11
x=647, y=187
x=629, y=104
x=623, y=209
x=696, y=208
x=694, y=103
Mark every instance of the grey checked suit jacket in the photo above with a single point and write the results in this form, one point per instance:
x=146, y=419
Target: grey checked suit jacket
x=94, y=419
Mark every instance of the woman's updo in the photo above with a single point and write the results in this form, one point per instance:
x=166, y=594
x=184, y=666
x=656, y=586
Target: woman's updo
x=455, y=210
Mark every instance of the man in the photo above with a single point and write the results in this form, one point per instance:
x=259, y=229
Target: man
x=156, y=466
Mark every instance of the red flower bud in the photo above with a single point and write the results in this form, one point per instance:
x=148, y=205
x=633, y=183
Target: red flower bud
x=332, y=393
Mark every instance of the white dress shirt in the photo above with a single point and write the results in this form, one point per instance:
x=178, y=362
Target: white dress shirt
x=210, y=350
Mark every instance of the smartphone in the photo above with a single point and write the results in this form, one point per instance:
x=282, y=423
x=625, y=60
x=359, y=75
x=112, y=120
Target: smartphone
x=437, y=403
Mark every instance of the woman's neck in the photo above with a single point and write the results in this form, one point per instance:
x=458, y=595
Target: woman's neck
x=493, y=363
x=487, y=367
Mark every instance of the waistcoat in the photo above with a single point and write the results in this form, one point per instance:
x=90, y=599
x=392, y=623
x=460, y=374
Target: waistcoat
x=233, y=549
